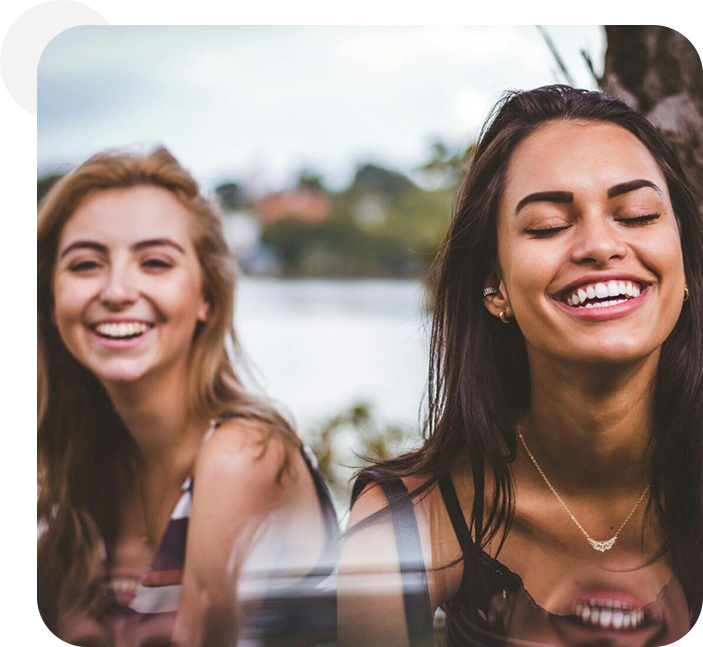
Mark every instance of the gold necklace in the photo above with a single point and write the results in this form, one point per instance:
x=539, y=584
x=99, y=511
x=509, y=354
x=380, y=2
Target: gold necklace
x=600, y=546
x=147, y=536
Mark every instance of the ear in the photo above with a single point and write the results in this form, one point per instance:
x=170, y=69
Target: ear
x=52, y=311
x=204, y=311
x=497, y=302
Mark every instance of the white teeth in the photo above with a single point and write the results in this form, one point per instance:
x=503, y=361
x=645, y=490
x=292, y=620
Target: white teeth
x=605, y=304
x=606, y=616
x=121, y=329
x=601, y=290
x=123, y=584
x=609, y=614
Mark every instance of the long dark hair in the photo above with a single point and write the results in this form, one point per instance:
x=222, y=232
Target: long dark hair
x=479, y=382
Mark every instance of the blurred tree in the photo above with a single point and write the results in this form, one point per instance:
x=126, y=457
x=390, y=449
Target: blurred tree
x=658, y=71
x=344, y=442
x=371, y=177
x=231, y=196
x=446, y=164
x=310, y=181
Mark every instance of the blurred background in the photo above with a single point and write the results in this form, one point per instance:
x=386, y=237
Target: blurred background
x=334, y=153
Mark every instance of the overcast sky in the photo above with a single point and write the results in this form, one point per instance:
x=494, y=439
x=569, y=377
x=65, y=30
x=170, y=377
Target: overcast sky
x=257, y=104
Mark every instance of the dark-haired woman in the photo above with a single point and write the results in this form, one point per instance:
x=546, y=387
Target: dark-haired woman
x=557, y=497
x=169, y=495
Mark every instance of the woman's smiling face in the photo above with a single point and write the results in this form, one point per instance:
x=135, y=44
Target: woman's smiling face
x=588, y=245
x=127, y=283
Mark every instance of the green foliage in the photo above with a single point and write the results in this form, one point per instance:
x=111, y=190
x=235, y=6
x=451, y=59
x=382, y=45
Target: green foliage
x=382, y=226
x=230, y=196
x=338, y=247
x=343, y=443
x=370, y=177
x=310, y=181
x=447, y=165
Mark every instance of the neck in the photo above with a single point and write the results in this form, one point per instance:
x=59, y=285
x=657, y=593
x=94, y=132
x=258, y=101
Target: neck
x=589, y=426
x=156, y=413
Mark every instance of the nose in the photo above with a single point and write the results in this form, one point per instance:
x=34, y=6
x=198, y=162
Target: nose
x=597, y=241
x=119, y=290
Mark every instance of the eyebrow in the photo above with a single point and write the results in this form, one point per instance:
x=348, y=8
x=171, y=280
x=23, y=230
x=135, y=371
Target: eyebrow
x=560, y=197
x=633, y=185
x=566, y=197
x=143, y=244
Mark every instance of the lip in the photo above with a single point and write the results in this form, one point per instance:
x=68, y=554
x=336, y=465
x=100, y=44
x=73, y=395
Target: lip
x=599, y=278
x=608, y=312
x=615, y=596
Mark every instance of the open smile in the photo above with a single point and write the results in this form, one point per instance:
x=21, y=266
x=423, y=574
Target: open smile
x=120, y=334
x=598, y=301
x=609, y=617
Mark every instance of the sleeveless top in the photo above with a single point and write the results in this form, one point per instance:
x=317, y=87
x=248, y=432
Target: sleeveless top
x=283, y=613
x=490, y=596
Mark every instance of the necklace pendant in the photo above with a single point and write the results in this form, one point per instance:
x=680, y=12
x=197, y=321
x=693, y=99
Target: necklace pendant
x=602, y=546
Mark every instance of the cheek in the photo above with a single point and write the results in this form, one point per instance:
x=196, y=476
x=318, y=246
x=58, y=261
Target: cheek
x=180, y=298
x=70, y=300
x=529, y=273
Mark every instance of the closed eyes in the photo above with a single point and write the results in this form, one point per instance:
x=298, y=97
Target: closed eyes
x=545, y=232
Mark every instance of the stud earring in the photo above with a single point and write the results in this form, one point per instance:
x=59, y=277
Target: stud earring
x=503, y=318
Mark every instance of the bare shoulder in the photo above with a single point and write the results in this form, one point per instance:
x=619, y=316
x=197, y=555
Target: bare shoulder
x=248, y=462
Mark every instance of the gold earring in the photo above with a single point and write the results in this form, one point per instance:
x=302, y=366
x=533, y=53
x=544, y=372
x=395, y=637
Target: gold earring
x=686, y=294
x=503, y=318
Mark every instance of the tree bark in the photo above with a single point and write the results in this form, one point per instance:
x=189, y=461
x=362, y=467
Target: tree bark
x=658, y=71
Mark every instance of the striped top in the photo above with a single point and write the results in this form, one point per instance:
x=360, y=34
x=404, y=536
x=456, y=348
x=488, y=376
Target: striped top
x=157, y=593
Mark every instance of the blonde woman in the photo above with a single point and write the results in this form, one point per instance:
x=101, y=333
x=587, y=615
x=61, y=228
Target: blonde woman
x=161, y=479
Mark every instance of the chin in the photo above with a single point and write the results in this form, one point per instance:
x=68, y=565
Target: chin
x=119, y=374
x=615, y=353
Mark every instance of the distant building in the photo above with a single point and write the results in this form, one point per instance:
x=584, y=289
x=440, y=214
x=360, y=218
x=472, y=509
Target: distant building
x=299, y=204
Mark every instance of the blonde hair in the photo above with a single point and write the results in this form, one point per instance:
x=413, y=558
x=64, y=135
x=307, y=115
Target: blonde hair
x=81, y=441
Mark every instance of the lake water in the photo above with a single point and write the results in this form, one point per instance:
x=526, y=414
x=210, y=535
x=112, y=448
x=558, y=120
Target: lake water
x=320, y=346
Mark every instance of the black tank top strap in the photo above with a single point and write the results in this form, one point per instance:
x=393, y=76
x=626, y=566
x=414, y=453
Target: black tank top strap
x=456, y=514
x=477, y=580
x=416, y=597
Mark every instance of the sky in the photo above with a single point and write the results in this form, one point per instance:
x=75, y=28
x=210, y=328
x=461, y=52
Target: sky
x=258, y=104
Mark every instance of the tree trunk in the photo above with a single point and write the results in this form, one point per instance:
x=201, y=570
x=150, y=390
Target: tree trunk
x=658, y=71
